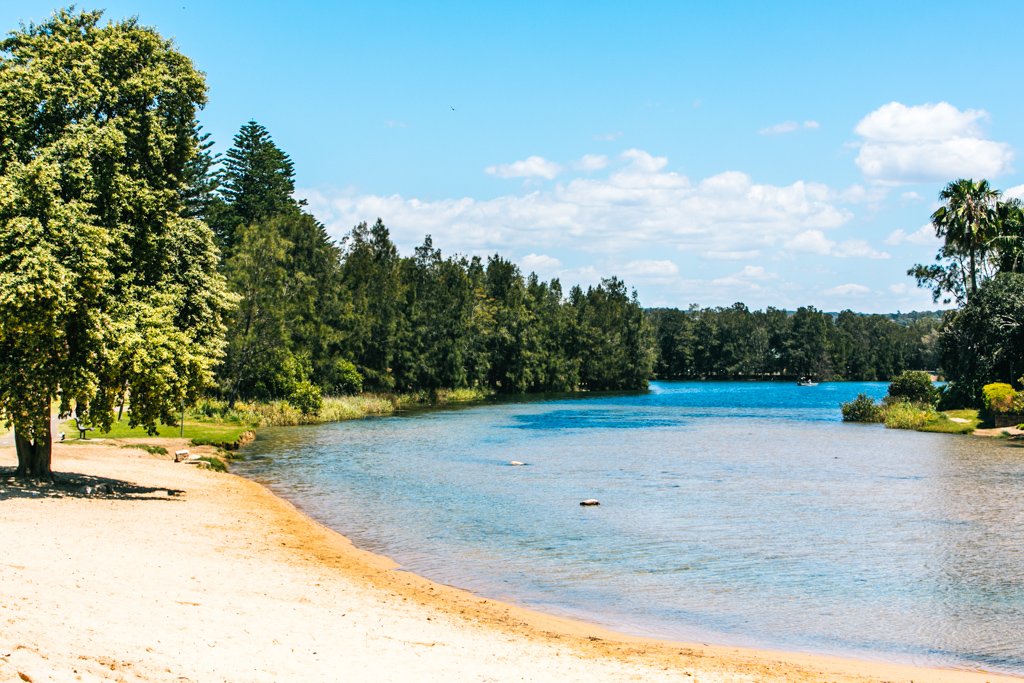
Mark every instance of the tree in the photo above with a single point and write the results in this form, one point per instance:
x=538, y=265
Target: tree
x=107, y=290
x=968, y=222
x=983, y=342
x=258, y=181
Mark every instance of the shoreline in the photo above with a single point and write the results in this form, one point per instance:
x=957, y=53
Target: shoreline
x=243, y=560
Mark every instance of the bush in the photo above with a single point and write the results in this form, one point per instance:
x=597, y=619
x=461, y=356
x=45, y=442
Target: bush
x=861, y=409
x=345, y=378
x=999, y=398
x=306, y=397
x=913, y=386
x=906, y=415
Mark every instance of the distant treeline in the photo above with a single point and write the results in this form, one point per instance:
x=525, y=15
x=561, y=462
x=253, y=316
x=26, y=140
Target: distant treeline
x=735, y=342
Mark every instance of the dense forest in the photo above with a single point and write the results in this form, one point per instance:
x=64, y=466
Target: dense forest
x=314, y=315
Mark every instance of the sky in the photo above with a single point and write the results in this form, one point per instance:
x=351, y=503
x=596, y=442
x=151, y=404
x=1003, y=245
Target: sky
x=779, y=154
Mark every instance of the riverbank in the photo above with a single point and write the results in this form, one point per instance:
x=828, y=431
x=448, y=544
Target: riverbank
x=182, y=574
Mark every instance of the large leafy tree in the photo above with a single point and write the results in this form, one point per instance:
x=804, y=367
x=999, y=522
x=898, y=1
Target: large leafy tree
x=968, y=222
x=983, y=341
x=106, y=289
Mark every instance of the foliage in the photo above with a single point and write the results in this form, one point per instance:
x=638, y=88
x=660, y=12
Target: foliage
x=1000, y=398
x=214, y=463
x=149, y=448
x=306, y=397
x=862, y=409
x=968, y=221
x=913, y=386
x=906, y=415
x=944, y=423
x=106, y=287
x=984, y=340
x=734, y=342
x=195, y=430
x=345, y=378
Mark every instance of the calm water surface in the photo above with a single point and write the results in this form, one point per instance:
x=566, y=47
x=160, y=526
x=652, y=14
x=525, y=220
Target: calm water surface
x=738, y=513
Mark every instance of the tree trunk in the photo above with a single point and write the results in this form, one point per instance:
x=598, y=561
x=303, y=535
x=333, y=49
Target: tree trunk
x=34, y=455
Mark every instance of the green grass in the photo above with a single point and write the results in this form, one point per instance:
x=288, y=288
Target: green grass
x=198, y=432
x=904, y=415
x=155, y=450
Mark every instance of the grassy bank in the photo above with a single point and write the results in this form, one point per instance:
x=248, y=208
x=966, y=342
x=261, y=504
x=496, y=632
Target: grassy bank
x=212, y=422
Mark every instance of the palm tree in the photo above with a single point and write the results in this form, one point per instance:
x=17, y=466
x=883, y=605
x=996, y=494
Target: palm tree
x=969, y=222
x=1009, y=243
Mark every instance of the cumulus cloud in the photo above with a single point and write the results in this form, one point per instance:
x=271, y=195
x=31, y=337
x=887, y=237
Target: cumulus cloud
x=810, y=242
x=815, y=242
x=927, y=142
x=850, y=289
x=637, y=202
x=1015, y=192
x=540, y=263
x=788, y=127
x=530, y=167
x=923, y=236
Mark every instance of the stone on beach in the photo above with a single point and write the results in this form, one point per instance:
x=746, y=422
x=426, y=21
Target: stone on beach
x=590, y=502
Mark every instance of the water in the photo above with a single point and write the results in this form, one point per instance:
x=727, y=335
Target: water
x=735, y=513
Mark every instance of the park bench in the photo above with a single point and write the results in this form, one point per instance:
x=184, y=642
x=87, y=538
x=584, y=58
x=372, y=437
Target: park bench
x=82, y=429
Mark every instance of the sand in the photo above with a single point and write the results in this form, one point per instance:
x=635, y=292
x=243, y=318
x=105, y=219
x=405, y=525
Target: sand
x=182, y=574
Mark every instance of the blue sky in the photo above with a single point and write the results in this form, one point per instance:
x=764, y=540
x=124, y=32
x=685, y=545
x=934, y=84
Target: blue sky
x=780, y=154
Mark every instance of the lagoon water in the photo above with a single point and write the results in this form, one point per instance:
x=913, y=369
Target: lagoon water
x=734, y=513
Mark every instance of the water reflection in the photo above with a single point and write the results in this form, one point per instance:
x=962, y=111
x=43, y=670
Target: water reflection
x=743, y=513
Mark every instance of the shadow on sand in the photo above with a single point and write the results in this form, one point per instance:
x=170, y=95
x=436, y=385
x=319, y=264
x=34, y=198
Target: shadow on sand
x=74, y=485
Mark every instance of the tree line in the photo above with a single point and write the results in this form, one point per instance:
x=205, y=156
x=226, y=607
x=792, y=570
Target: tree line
x=737, y=343
x=314, y=315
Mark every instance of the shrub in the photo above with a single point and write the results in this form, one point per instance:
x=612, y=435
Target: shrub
x=913, y=386
x=861, y=409
x=306, y=397
x=906, y=415
x=345, y=377
x=999, y=398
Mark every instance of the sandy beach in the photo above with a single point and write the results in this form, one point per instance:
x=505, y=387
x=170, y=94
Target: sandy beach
x=182, y=574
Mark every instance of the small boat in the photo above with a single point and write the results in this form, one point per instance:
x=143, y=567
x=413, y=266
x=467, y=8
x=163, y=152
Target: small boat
x=806, y=382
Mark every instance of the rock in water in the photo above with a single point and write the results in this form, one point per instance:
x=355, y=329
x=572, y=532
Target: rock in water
x=589, y=502
x=516, y=463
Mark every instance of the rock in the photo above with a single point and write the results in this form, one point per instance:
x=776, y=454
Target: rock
x=589, y=502
x=516, y=463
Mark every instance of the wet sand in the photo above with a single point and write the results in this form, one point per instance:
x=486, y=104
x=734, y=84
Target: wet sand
x=183, y=574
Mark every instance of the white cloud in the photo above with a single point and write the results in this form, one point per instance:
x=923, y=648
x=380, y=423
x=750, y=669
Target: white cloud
x=789, y=127
x=858, y=249
x=901, y=289
x=810, y=242
x=923, y=236
x=636, y=202
x=1015, y=192
x=751, y=278
x=540, y=263
x=608, y=137
x=736, y=255
x=592, y=162
x=849, y=289
x=911, y=197
x=927, y=142
x=649, y=269
x=530, y=167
